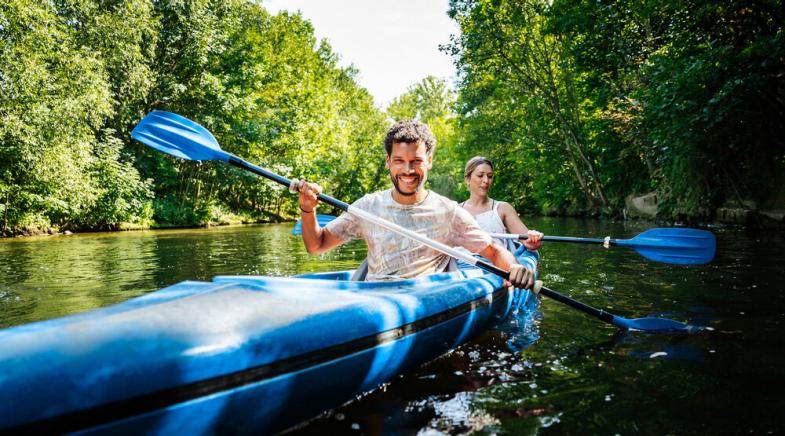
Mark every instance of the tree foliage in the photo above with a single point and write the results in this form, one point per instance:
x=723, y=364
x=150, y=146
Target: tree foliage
x=586, y=102
x=579, y=103
x=76, y=76
x=54, y=100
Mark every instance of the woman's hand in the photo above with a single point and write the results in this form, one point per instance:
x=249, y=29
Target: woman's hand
x=534, y=240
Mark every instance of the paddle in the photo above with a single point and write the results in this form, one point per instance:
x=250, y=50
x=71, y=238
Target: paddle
x=183, y=138
x=676, y=246
x=323, y=220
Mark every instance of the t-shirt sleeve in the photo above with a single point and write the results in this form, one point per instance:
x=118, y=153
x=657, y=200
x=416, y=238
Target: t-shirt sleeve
x=347, y=226
x=467, y=233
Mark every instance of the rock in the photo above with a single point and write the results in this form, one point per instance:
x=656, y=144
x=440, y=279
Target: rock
x=729, y=215
x=776, y=215
x=743, y=204
x=644, y=206
x=67, y=232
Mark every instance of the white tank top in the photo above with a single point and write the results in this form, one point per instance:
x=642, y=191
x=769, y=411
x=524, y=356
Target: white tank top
x=491, y=222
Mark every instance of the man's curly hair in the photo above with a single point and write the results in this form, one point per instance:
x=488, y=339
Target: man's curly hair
x=410, y=131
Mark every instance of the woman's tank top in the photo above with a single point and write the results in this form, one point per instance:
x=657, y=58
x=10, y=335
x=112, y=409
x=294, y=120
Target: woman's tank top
x=491, y=222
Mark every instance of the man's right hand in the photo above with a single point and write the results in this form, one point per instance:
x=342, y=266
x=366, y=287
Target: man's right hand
x=309, y=195
x=520, y=277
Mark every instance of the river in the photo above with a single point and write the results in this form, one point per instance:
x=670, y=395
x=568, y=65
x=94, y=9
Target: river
x=579, y=376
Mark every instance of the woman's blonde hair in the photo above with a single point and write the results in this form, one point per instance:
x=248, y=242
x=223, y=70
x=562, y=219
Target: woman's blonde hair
x=474, y=163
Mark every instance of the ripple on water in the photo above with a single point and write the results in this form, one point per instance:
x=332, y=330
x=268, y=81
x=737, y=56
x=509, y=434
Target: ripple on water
x=14, y=306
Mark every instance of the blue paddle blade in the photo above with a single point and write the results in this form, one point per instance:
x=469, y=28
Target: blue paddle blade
x=178, y=136
x=674, y=245
x=654, y=325
x=321, y=219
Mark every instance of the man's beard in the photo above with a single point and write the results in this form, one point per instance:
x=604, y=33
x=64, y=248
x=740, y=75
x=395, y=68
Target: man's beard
x=406, y=194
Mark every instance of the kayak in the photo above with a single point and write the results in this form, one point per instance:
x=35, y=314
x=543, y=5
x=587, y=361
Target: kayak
x=239, y=354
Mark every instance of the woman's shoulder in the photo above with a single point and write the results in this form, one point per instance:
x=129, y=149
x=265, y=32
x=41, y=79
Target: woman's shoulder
x=504, y=206
x=504, y=209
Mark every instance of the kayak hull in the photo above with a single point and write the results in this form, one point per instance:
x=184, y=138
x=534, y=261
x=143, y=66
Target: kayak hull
x=238, y=354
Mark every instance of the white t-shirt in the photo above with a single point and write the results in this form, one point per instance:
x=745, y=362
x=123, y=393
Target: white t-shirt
x=391, y=256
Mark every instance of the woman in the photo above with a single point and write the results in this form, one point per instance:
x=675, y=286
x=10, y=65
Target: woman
x=493, y=216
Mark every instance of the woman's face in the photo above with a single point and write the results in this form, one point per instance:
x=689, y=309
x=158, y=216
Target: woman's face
x=480, y=179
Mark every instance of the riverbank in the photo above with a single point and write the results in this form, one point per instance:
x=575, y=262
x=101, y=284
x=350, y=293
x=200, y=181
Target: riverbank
x=731, y=217
x=130, y=227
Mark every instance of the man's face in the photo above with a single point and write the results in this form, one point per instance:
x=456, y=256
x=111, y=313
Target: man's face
x=409, y=164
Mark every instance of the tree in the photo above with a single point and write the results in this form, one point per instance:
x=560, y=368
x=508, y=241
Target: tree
x=504, y=52
x=53, y=101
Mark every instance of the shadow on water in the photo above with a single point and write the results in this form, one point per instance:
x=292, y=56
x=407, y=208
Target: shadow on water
x=577, y=376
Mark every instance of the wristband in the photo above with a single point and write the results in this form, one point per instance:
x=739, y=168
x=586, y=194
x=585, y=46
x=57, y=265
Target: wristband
x=305, y=211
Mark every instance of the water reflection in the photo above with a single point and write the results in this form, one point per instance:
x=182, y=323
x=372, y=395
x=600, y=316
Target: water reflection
x=42, y=278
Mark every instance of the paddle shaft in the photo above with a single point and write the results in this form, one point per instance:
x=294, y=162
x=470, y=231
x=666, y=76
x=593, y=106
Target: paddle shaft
x=597, y=313
x=555, y=238
x=468, y=258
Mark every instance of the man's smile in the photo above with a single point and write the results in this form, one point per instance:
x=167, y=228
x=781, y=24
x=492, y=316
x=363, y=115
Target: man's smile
x=409, y=180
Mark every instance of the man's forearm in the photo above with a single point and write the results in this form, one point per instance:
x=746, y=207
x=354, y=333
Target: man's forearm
x=500, y=257
x=504, y=259
x=312, y=233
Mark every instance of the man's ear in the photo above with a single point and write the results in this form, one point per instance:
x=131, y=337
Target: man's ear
x=430, y=161
x=387, y=162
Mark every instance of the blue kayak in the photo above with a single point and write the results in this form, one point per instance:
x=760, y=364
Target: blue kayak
x=244, y=354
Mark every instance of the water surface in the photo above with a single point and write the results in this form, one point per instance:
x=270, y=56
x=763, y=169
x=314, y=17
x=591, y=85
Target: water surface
x=581, y=376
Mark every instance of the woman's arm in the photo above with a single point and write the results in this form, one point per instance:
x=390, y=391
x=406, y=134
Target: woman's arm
x=514, y=225
x=510, y=219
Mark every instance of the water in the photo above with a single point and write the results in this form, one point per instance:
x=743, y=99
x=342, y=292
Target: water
x=47, y=277
x=581, y=375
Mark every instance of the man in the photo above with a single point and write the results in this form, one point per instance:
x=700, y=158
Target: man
x=409, y=146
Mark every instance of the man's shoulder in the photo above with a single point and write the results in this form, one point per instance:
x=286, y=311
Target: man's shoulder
x=435, y=197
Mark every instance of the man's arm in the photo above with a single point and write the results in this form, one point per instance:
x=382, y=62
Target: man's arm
x=520, y=276
x=316, y=239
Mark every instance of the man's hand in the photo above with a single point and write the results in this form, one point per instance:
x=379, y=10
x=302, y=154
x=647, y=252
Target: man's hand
x=309, y=195
x=520, y=277
x=534, y=241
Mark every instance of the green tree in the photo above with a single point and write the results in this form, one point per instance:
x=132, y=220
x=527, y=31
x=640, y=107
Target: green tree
x=77, y=75
x=692, y=90
x=505, y=54
x=54, y=97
